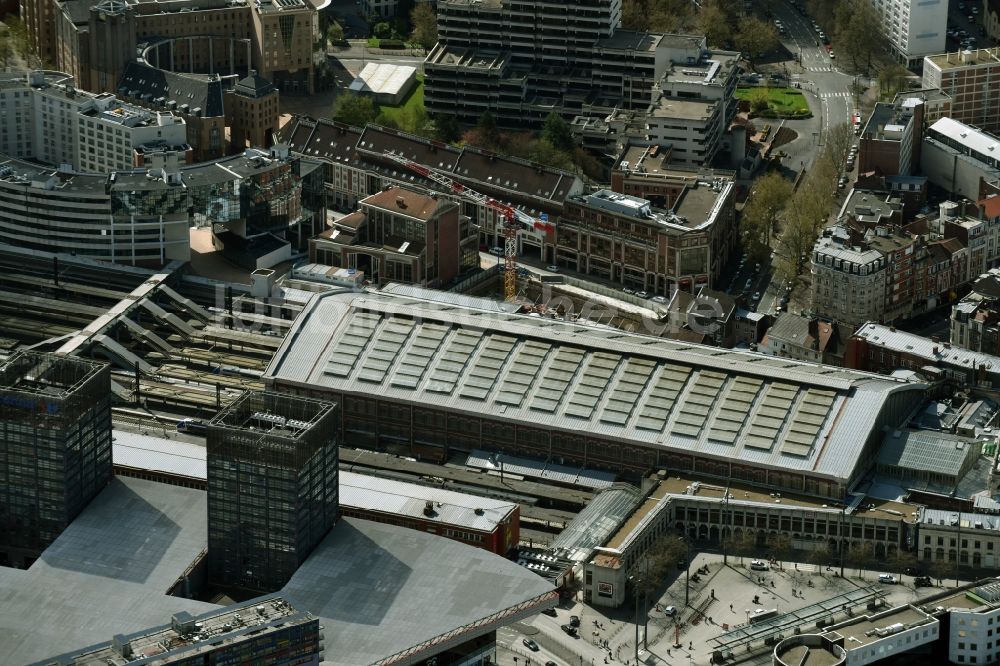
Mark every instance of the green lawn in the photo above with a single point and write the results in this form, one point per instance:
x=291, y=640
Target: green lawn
x=414, y=99
x=784, y=101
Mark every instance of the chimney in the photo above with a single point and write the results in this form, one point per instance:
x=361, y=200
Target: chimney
x=935, y=339
x=428, y=508
x=947, y=345
x=935, y=351
x=401, y=202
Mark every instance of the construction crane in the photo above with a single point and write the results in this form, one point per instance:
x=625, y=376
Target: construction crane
x=512, y=217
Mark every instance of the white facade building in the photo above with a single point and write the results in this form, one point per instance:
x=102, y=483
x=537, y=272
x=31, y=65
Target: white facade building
x=914, y=28
x=44, y=118
x=956, y=157
x=848, y=281
x=975, y=625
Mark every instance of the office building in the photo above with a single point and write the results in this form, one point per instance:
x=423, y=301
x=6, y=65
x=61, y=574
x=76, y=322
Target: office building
x=258, y=203
x=913, y=28
x=44, y=117
x=55, y=447
x=521, y=61
x=624, y=239
x=425, y=379
x=958, y=158
x=400, y=235
x=272, y=487
x=95, y=43
x=969, y=79
x=266, y=630
x=890, y=141
x=864, y=639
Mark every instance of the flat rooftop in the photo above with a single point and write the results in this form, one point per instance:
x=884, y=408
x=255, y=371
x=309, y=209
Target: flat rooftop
x=372, y=493
x=953, y=60
x=868, y=629
x=380, y=591
x=47, y=375
x=188, y=636
x=689, y=110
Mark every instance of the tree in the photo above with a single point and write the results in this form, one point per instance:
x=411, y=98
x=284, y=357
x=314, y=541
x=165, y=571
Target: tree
x=839, y=140
x=940, y=568
x=755, y=38
x=335, y=34
x=382, y=30
x=447, y=128
x=357, y=110
x=859, y=32
x=863, y=558
x=6, y=48
x=768, y=198
x=556, y=131
x=759, y=100
x=20, y=38
x=488, y=132
x=424, y=22
x=402, y=23
x=892, y=79
x=713, y=22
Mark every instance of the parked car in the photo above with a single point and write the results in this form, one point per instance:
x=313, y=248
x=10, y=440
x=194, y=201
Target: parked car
x=923, y=581
x=759, y=565
x=628, y=290
x=530, y=644
x=497, y=251
x=659, y=299
x=670, y=611
x=574, y=620
x=756, y=296
x=569, y=630
x=554, y=269
x=748, y=285
x=888, y=579
x=832, y=56
x=642, y=294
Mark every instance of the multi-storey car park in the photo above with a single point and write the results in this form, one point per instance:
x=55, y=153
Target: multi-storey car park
x=429, y=380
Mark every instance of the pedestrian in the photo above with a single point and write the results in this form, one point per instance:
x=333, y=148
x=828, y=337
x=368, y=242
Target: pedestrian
x=690, y=645
x=731, y=608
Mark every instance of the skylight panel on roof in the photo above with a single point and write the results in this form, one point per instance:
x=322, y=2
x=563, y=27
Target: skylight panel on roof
x=654, y=412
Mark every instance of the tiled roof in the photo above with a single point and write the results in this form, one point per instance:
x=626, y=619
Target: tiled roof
x=196, y=91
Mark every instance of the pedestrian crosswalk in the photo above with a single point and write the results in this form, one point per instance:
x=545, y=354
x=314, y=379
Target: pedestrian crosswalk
x=835, y=94
x=822, y=69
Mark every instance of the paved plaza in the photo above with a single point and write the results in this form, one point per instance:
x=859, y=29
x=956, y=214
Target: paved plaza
x=721, y=601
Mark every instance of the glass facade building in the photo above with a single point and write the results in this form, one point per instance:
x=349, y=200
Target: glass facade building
x=272, y=487
x=55, y=447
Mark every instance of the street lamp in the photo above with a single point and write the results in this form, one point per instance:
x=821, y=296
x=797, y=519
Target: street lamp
x=687, y=571
x=747, y=611
x=635, y=591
